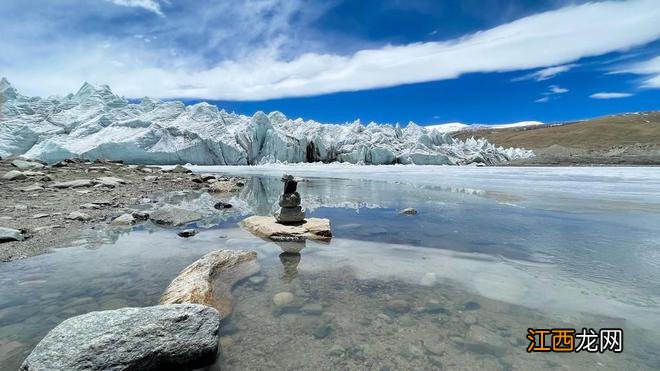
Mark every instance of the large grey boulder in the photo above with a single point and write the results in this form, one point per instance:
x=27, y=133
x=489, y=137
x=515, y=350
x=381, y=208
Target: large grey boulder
x=26, y=164
x=9, y=234
x=163, y=337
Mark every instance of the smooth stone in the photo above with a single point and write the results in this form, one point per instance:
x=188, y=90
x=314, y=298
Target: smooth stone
x=471, y=305
x=283, y=298
x=14, y=175
x=336, y=351
x=268, y=227
x=150, y=178
x=435, y=308
x=210, y=279
x=123, y=220
x=77, y=215
x=9, y=234
x=323, y=331
x=409, y=211
x=90, y=206
x=289, y=200
x=290, y=215
x=480, y=339
x=26, y=164
x=152, y=338
x=187, y=233
x=40, y=216
x=257, y=280
x=79, y=183
x=33, y=188
x=398, y=306
x=312, y=309
x=109, y=181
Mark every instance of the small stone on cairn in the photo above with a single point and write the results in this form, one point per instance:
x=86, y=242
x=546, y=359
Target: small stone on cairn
x=290, y=210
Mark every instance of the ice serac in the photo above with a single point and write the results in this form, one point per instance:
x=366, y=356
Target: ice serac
x=96, y=123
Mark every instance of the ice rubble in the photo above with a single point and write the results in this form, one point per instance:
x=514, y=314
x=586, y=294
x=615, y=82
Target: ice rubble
x=96, y=123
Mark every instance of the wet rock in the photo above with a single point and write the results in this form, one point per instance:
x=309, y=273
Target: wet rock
x=312, y=309
x=123, y=220
x=174, y=216
x=398, y=306
x=481, y=340
x=434, y=308
x=210, y=279
x=78, y=183
x=322, y=331
x=283, y=298
x=290, y=263
x=222, y=205
x=9, y=234
x=187, y=233
x=26, y=164
x=409, y=211
x=77, y=215
x=40, y=216
x=140, y=215
x=151, y=338
x=267, y=226
x=229, y=329
x=207, y=177
x=14, y=175
x=471, y=305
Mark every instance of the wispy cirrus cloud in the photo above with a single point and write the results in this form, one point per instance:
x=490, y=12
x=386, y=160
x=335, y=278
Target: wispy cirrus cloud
x=546, y=73
x=257, y=50
x=150, y=5
x=611, y=95
x=552, y=93
x=649, y=68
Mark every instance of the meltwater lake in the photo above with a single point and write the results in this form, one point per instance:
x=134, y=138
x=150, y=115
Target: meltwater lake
x=491, y=252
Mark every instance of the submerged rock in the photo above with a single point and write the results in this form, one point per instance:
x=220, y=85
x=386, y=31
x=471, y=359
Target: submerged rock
x=283, y=298
x=210, y=279
x=9, y=234
x=152, y=338
x=267, y=226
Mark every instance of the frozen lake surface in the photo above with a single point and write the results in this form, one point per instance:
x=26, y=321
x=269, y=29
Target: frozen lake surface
x=491, y=252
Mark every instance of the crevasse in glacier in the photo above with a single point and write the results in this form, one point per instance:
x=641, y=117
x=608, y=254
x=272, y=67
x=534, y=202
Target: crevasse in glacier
x=96, y=123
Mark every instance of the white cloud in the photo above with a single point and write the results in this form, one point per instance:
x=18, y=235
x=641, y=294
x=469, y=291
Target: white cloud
x=552, y=39
x=546, y=73
x=651, y=68
x=150, y=5
x=542, y=100
x=610, y=95
x=554, y=89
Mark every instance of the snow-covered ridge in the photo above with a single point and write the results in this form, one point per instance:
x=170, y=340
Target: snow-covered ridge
x=452, y=127
x=96, y=123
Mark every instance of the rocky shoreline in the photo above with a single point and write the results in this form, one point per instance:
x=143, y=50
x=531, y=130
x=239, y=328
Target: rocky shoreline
x=46, y=206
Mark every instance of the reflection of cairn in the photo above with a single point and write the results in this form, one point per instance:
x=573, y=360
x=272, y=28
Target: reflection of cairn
x=290, y=210
x=290, y=263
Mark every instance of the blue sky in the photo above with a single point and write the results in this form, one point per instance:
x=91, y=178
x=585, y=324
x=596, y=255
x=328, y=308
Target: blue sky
x=473, y=61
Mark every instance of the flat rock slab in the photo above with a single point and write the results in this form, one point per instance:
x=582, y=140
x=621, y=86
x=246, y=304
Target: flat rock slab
x=268, y=227
x=163, y=337
x=174, y=216
x=78, y=183
x=9, y=234
x=210, y=279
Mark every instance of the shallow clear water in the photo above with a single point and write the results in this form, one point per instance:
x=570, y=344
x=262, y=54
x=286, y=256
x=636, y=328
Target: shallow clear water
x=491, y=253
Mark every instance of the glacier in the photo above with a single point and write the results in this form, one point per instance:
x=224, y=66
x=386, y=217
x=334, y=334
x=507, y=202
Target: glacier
x=95, y=123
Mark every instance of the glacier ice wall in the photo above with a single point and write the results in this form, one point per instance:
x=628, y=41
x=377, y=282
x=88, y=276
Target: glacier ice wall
x=95, y=123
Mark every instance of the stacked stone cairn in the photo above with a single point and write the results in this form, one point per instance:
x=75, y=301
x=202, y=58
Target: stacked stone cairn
x=290, y=210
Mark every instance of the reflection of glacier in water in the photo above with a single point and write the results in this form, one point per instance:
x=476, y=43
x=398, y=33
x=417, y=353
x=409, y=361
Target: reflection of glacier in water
x=482, y=258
